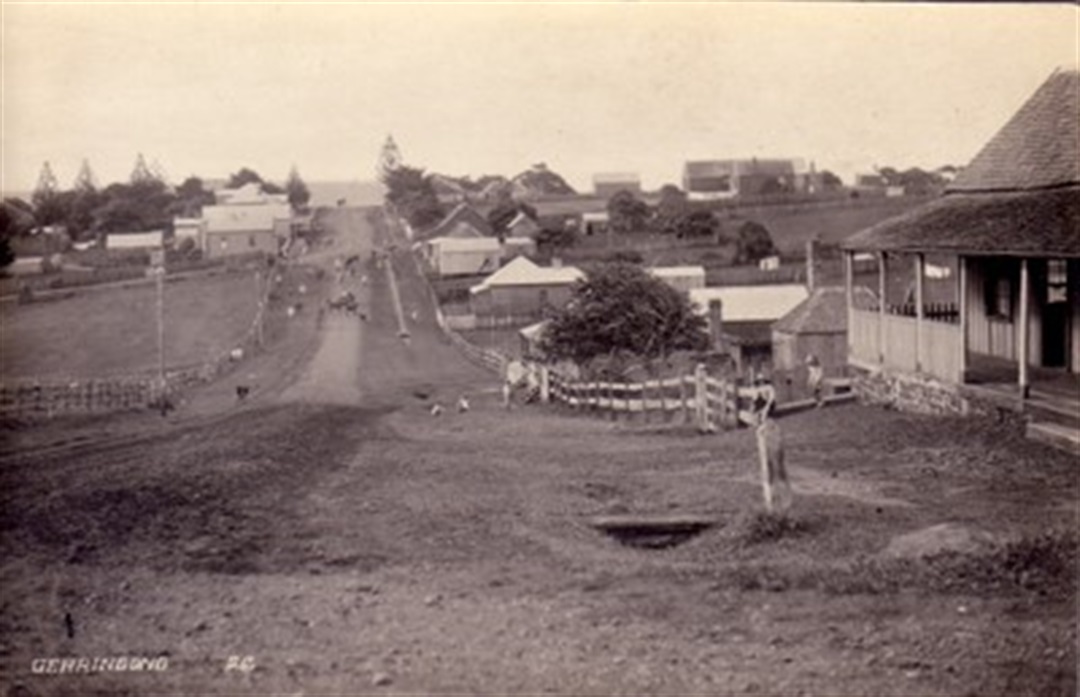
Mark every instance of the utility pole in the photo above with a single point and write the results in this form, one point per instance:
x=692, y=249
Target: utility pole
x=157, y=267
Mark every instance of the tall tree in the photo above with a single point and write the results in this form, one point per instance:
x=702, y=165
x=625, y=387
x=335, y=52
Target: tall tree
x=85, y=180
x=48, y=207
x=620, y=309
x=670, y=209
x=297, y=190
x=141, y=173
x=627, y=213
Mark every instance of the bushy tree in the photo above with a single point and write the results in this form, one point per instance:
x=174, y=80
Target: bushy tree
x=7, y=254
x=242, y=177
x=619, y=309
x=627, y=213
x=696, y=224
x=191, y=196
x=297, y=190
x=670, y=209
x=754, y=243
x=410, y=192
x=553, y=239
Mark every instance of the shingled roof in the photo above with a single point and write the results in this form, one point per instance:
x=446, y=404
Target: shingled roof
x=824, y=312
x=1019, y=196
x=1038, y=148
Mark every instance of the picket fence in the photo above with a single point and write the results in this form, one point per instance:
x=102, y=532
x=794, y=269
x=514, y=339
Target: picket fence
x=710, y=403
x=48, y=397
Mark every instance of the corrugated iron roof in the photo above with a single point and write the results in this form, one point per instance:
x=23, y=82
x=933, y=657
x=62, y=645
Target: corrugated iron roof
x=750, y=303
x=244, y=218
x=522, y=272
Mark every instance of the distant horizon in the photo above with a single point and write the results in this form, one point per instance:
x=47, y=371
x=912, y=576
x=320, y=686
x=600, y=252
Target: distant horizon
x=628, y=87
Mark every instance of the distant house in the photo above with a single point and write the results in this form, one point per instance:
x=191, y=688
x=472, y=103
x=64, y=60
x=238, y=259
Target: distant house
x=462, y=221
x=594, y=223
x=460, y=256
x=245, y=229
x=609, y=184
x=817, y=326
x=522, y=225
x=682, y=278
x=518, y=246
x=250, y=194
x=521, y=291
x=1009, y=225
x=724, y=179
x=869, y=185
x=741, y=318
x=135, y=240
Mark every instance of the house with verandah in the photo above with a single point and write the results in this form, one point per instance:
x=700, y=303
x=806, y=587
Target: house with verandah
x=1007, y=232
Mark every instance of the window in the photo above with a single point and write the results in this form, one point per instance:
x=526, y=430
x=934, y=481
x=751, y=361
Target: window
x=1057, y=281
x=999, y=291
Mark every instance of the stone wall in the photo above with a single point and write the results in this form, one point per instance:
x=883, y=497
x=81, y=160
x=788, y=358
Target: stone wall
x=911, y=393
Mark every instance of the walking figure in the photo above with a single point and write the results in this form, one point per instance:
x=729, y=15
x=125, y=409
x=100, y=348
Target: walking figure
x=774, y=479
x=462, y=404
x=815, y=377
x=436, y=409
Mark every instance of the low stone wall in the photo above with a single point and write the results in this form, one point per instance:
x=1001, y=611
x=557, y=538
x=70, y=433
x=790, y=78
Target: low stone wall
x=911, y=393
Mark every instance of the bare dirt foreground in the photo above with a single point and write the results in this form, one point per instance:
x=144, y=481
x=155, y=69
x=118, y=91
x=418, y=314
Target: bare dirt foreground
x=357, y=545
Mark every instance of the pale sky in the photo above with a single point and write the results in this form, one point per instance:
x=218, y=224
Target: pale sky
x=472, y=89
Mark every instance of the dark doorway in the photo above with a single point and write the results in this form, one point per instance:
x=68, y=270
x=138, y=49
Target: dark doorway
x=1056, y=314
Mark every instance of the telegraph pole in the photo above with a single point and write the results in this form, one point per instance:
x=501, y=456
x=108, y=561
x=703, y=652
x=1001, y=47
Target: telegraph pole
x=157, y=265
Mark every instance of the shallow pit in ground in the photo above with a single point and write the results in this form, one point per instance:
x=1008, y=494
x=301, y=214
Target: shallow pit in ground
x=652, y=531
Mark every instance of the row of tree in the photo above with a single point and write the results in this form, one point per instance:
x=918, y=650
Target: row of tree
x=145, y=202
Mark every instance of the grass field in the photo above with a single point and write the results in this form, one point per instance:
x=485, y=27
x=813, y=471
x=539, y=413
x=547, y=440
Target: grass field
x=97, y=332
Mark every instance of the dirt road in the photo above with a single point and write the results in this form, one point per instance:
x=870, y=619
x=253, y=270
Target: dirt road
x=333, y=537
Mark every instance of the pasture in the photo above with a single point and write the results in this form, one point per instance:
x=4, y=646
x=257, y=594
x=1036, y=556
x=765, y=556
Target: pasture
x=108, y=331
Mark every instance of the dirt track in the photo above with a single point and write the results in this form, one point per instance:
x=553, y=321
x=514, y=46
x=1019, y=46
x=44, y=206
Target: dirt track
x=348, y=542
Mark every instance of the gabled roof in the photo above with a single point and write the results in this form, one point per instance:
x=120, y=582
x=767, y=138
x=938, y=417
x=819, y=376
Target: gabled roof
x=458, y=223
x=1019, y=196
x=522, y=272
x=750, y=303
x=1038, y=147
x=244, y=218
x=824, y=312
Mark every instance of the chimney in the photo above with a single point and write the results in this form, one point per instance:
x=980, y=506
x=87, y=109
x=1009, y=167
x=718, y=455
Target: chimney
x=716, y=324
x=811, y=264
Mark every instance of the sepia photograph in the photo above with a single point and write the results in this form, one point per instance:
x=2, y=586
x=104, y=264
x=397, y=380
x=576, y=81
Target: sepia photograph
x=568, y=348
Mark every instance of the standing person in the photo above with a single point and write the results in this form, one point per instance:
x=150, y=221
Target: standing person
x=506, y=393
x=774, y=479
x=815, y=377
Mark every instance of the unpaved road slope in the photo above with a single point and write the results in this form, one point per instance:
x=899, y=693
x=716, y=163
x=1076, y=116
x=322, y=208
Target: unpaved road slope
x=333, y=537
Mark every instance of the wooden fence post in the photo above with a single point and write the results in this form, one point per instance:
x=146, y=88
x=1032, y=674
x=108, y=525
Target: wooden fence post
x=701, y=396
x=545, y=385
x=682, y=400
